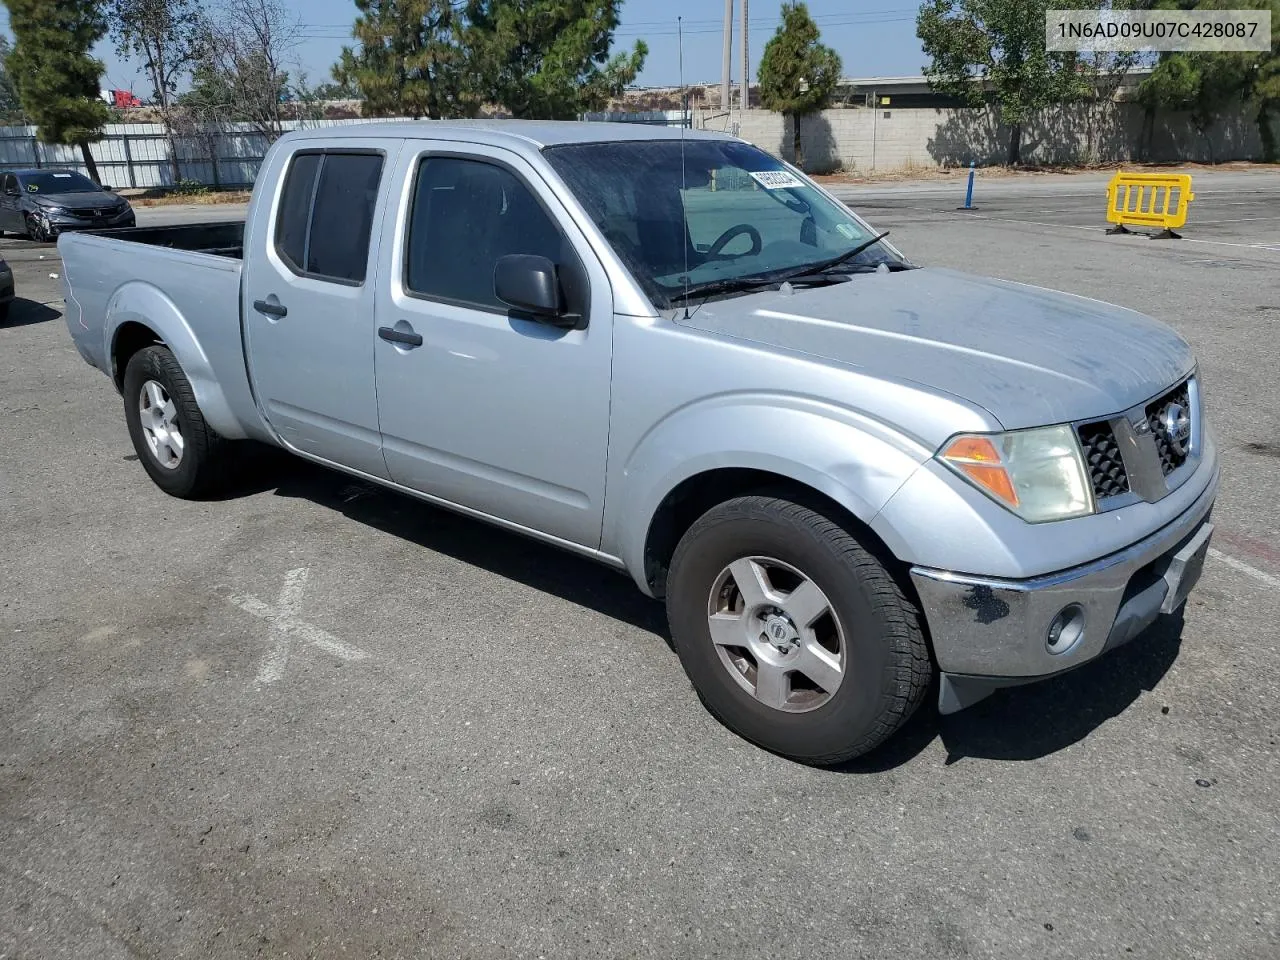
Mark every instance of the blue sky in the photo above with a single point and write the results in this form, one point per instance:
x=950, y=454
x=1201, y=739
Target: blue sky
x=873, y=37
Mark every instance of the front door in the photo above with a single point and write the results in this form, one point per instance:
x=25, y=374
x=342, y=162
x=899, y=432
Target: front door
x=480, y=406
x=309, y=300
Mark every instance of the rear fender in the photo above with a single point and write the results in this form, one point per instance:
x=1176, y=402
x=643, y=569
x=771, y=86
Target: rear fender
x=140, y=302
x=854, y=460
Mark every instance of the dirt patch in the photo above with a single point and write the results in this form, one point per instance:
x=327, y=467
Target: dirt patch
x=198, y=199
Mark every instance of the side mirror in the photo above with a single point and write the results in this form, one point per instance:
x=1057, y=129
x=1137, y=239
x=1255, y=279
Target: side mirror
x=108, y=188
x=529, y=284
x=13, y=191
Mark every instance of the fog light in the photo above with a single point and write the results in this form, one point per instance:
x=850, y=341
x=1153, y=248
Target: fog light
x=1066, y=629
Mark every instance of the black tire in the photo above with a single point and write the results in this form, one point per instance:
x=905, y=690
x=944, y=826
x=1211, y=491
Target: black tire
x=887, y=668
x=34, y=233
x=205, y=463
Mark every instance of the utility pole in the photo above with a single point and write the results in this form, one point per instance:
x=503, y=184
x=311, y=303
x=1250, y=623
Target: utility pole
x=745, y=96
x=727, y=64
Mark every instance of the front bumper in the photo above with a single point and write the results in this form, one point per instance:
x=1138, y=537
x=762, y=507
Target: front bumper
x=60, y=223
x=988, y=633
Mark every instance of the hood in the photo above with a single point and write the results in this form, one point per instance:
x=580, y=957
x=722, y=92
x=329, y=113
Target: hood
x=79, y=201
x=1027, y=355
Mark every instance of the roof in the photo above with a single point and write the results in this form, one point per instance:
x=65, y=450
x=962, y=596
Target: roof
x=542, y=133
x=26, y=170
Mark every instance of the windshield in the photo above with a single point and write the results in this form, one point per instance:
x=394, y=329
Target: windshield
x=748, y=216
x=57, y=182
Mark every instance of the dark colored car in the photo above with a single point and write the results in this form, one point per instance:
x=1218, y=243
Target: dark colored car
x=44, y=203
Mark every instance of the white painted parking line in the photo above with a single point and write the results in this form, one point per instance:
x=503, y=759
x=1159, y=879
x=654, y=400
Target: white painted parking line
x=1244, y=568
x=287, y=626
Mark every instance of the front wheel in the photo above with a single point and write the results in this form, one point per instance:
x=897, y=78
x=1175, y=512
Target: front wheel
x=792, y=633
x=183, y=455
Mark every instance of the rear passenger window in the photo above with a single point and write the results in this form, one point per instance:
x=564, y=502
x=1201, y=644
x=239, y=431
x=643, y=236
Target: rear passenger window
x=326, y=215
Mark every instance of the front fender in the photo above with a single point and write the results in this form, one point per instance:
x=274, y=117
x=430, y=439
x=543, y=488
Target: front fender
x=856, y=461
x=140, y=302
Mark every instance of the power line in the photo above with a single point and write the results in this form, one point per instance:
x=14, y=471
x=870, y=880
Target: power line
x=662, y=28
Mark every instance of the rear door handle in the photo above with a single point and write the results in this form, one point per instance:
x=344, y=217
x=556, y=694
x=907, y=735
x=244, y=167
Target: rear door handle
x=392, y=335
x=271, y=309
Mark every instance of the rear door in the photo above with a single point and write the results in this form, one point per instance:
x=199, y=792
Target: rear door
x=308, y=305
x=489, y=409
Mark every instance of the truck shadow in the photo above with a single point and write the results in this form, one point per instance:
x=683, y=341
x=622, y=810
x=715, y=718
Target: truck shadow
x=515, y=557
x=1018, y=723
x=1039, y=719
x=24, y=313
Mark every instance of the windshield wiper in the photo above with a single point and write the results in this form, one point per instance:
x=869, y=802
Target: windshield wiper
x=812, y=274
x=824, y=265
x=710, y=288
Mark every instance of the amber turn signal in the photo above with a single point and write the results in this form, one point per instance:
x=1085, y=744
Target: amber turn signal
x=979, y=460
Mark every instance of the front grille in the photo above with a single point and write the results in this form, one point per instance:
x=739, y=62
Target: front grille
x=1102, y=454
x=1173, y=453
x=91, y=214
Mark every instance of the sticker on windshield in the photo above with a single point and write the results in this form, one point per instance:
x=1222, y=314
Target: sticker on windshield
x=63, y=176
x=847, y=230
x=775, y=179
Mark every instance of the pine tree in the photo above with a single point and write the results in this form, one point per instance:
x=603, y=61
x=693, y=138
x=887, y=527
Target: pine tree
x=409, y=60
x=58, y=80
x=548, y=59
x=797, y=73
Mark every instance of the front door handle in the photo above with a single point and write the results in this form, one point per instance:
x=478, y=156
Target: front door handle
x=392, y=335
x=271, y=309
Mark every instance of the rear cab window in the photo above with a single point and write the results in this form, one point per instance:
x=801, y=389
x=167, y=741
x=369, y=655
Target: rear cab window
x=325, y=216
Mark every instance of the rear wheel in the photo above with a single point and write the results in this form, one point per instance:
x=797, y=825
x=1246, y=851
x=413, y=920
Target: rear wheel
x=793, y=634
x=181, y=453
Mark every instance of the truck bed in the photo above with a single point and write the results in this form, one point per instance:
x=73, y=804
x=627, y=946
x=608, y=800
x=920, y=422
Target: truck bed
x=220, y=238
x=180, y=283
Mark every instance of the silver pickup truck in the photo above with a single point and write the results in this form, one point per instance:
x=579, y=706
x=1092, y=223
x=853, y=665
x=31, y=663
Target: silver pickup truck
x=847, y=475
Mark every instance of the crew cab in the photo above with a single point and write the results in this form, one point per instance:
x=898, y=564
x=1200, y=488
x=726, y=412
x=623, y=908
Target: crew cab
x=853, y=479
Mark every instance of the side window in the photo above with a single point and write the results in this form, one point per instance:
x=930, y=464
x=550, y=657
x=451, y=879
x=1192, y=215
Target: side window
x=326, y=214
x=294, y=217
x=467, y=214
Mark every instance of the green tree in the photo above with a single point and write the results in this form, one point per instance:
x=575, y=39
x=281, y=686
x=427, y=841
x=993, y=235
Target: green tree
x=58, y=81
x=797, y=73
x=334, y=91
x=10, y=105
x=1206, y=85
x=165, y=36
x=547, y=59
x=1265, y=91
x=997, y=47
x=408, y=60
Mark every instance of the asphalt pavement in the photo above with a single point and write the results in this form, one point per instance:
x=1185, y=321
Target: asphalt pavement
x=316, y=719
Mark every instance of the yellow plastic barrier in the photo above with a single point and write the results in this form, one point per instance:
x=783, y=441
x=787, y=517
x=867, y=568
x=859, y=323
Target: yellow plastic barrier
x=1149, y=200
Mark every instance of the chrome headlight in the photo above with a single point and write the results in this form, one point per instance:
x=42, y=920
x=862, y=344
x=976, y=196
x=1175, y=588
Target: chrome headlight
x=1039, y=474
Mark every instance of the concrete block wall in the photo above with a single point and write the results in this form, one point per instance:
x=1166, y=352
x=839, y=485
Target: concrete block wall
x=893, y=140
